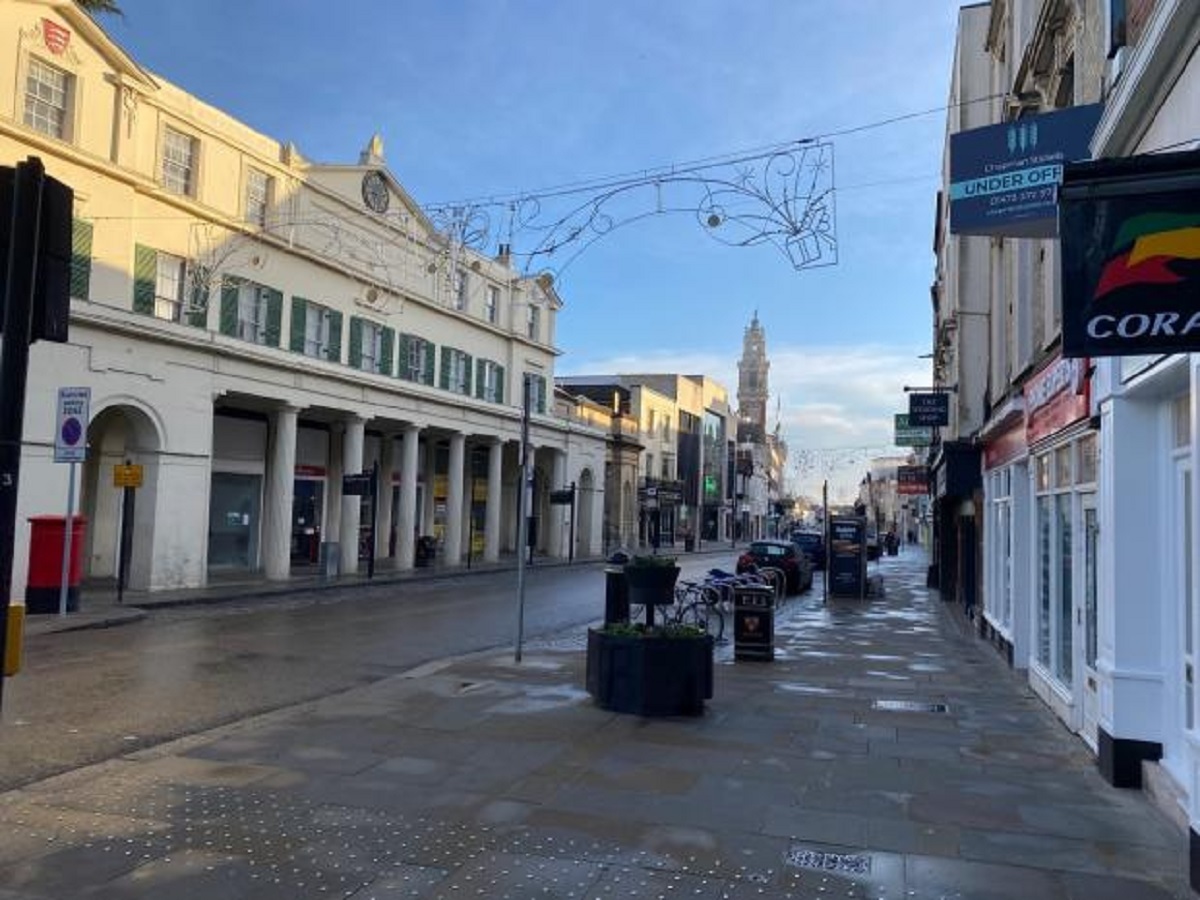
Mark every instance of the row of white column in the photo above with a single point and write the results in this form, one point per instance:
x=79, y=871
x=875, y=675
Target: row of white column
x=343, y=513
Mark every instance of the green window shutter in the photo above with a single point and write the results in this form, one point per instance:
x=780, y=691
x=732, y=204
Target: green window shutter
x=81, y=258
x=355, y=360
x=229, y=307
x=402, y=370
x=444, y=384
x=479, y=379
x=299, y=318
x=541, y=394
x=145, y=274
x=387, y=352
x=499, y=384
x=274, y=316
x=197, y=314
x=467, y=374
x=334, y=353
x=430, y=351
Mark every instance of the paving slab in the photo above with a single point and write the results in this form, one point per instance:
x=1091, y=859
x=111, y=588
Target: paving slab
x=884, y=754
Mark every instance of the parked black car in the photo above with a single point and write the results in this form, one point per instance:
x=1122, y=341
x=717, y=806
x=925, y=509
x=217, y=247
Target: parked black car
x=797, y=567
x=813, y=545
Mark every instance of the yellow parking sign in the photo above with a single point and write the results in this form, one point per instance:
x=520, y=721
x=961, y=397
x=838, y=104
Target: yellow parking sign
x=127, y=476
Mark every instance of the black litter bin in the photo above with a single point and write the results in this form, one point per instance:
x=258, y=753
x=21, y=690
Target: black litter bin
x=426, y=550
x=616, y=595
x=754, y=622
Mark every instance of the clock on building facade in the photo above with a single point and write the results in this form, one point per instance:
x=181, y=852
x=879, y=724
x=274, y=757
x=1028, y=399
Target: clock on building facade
x=375, y=192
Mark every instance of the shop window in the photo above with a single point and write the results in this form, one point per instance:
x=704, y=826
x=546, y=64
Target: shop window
x=1001, y=545
x=1065, y=597
x=1087, y=449
x=1045, y=570
x=1062, y=466
x=1042, y=473
x=48, y=96
x=1062, y=513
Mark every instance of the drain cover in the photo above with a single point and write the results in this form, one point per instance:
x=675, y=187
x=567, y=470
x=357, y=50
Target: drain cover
x=910, y=706
x=851, y=863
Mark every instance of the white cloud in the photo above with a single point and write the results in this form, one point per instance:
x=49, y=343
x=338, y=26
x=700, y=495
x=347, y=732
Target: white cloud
x=834, y=404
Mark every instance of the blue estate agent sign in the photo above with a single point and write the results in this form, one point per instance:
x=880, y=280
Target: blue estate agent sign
x=1004, y=178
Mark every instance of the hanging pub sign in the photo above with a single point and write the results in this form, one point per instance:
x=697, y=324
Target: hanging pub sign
x=1003, y=177
x=929, y=410
x=912, y=480
x=909, y=435
x=1131, y=255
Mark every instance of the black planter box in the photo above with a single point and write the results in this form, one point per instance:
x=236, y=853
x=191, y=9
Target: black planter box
x=651, y=585
x=650, y=676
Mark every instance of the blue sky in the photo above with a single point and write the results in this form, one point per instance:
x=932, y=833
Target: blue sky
x=491, y=97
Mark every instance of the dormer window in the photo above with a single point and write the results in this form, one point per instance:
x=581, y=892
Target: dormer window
x=48, y=93
x=534, y=322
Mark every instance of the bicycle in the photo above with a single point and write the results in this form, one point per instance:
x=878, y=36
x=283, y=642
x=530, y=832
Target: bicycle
x=699, y=604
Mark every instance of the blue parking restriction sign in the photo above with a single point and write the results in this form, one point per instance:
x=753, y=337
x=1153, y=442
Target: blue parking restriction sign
x=70, y=440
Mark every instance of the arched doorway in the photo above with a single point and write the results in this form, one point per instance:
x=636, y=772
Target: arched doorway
x=583, y=512
x=121, y=433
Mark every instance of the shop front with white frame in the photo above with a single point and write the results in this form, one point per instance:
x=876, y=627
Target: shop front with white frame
x=1062, y=524
x=1062, y=661
x=1007, y=543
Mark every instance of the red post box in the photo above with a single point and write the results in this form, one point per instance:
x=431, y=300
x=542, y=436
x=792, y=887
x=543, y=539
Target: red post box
x=45, y=563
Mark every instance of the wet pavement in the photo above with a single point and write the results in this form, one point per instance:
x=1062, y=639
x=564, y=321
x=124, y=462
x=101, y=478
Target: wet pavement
x=884, y=754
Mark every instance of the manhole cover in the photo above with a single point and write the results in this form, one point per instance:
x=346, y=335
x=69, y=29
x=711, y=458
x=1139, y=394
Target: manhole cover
x=910, y=706
x=850, y=863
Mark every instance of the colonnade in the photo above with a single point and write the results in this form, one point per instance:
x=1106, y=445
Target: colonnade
x=343, y=512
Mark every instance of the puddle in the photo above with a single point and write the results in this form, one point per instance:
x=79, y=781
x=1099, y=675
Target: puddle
x=792, y=688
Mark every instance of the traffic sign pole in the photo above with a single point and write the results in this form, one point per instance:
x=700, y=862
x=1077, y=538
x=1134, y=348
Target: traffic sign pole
x=67, y=538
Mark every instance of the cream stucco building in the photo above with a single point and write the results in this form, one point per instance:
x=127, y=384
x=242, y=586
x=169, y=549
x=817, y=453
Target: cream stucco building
x=682, y=482
x=253, y=326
